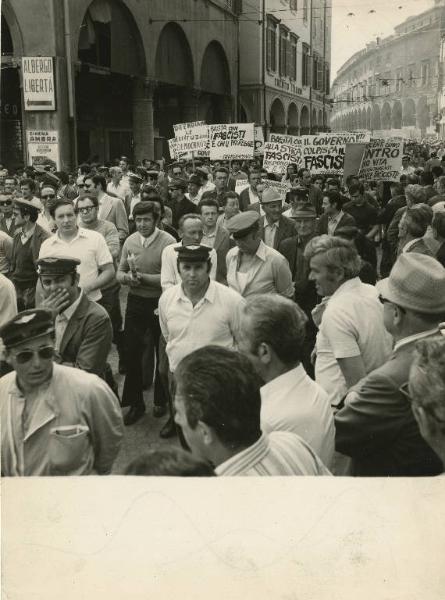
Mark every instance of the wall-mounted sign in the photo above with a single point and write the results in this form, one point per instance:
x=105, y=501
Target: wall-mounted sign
x=43, y=148
x=38, y=83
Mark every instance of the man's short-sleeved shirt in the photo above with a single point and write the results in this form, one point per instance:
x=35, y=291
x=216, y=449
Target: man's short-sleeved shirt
x=89, y=247
x=213, y=320
x=352, y=325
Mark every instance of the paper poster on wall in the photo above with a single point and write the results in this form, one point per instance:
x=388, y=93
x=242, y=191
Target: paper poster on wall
x=382, y=160
x=232, y=140
x=43, y=148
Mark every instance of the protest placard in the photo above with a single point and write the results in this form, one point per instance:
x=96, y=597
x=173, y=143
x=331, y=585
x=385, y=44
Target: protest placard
x=192, y=138
x=240, y=185
x=324, y=154
x=382, y=160
x=278, y=156
x=282, y=187
x=259, y=141
x=282, y=138
x=232, y=140
x=353, y=159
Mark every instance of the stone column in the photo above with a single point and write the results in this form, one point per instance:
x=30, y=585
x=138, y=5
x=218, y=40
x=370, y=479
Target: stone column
x=143, y=130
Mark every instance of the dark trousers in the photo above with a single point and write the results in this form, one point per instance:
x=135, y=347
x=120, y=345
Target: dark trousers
x=140, y=317
x=172, y=386
x=110, y=301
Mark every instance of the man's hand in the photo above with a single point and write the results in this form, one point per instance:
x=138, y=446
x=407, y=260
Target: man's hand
x=57, y=301
x=134, y=280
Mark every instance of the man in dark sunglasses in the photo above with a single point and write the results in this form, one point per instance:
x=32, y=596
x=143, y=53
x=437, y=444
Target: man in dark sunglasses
x=57, y=420
x=7, y=219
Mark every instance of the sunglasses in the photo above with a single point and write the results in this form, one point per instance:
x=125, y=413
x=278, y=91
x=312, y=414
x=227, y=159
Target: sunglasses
x=44, y=353
x=80, y=185
x=6, y=203
x=48, y=197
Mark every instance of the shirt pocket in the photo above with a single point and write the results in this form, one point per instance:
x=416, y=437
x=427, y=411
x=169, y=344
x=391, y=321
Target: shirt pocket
x=68, y=448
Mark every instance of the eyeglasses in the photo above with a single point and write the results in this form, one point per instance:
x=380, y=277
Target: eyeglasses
x=48, y=197
x=80, y=185
x=6, y=203
x=85, y=209
x=44, y=353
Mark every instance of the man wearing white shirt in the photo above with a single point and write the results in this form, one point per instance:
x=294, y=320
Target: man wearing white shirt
x=96, y=263
x=116, y=186
x=110, y=209
x=352, y=340
x=192, y=230
x=271, y=335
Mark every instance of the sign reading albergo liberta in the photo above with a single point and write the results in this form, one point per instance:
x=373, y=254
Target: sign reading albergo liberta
x=38, y=83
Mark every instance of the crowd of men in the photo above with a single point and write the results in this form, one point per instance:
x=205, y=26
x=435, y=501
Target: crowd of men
x=296, y=335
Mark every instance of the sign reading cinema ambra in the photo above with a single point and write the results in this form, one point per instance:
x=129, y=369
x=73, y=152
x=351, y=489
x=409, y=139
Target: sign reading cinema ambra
x=38, y=83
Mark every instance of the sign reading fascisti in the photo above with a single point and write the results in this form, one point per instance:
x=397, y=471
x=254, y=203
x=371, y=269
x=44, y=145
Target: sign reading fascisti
x=38, y=83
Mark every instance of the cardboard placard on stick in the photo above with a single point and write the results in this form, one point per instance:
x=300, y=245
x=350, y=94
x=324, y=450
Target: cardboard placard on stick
x=382, y=160
x=232, y=140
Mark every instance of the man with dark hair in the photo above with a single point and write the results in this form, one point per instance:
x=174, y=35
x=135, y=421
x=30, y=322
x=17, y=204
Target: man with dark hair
x=96, y=267
x=25, y=250
x=271, y=335
x=194, y=189
x=111, y=209
x=169, y=462
x=384, y=218
x=196, y=311
x=376, y=427
x=333, y=185
x=83, y=327
x=215, y=237
x=140, y=269
x=230, y=207
x=250, y=195
x=274, y=227
x=333, y=216
x=218, y=405
x=220, y=179
x=150, y=194
x=365, y=215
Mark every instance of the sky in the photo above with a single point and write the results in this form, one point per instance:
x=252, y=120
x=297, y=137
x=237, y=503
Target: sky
x=351, y=33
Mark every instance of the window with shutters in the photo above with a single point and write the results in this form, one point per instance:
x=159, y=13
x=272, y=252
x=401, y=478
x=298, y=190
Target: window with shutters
x=317, y=73
x=293, y=56
x=305, y=65
x=284, y=51
x=271, y=44
x=305, y=10
x=425, y=73
x=327, y=79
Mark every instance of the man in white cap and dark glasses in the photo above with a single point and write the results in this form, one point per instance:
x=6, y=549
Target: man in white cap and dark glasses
x=376, y=427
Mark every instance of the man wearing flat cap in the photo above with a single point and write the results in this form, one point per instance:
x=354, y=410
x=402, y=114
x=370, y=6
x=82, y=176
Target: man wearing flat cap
x=198, y=311
x=83, y=331
x=252, y=266
x=56, y=420
x=376, y=427
x=274, y=227
x=25, y=250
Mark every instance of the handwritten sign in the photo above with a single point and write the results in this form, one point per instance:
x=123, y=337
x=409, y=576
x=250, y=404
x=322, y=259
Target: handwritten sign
x=282, y=187
x=382, y=160
x=43, y=148
x=193, y=138
x=38, y=83
x=232, y=140
x=278, y=156
x=240, y=185
x=324, y=154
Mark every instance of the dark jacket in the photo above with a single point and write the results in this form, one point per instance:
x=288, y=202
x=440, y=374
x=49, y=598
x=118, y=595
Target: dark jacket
x=305, y=293
x=286, y=229
x=244, y=200
x=87, y=338
x=346, y=221
x=3, y=227
x=181, y=208
x=223, y=243
x=377, y=427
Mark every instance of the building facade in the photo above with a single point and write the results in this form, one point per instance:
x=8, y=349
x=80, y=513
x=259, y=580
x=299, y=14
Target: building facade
x=392, y=86
x=124, y=72
x=285, y=56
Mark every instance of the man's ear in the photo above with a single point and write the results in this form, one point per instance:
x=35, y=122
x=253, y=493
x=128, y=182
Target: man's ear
x=264, y=353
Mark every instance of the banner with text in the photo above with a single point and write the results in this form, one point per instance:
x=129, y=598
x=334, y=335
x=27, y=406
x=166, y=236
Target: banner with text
x=382, y=160
x=232, y=140
x=277, y=157
x=324, y=154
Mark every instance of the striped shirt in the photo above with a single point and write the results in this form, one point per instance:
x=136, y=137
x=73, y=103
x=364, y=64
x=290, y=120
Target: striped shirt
x=278, y=453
